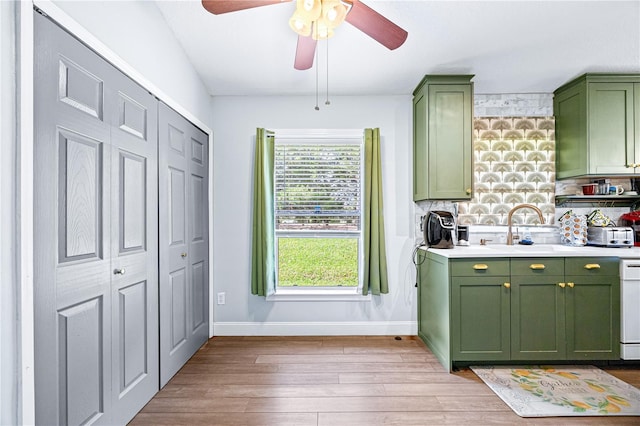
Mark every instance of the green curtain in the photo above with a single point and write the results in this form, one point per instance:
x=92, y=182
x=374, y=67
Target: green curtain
x=262, y=247
x=375, y=259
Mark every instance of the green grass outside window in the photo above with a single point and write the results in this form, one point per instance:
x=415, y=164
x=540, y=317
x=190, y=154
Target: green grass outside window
x=318, y=262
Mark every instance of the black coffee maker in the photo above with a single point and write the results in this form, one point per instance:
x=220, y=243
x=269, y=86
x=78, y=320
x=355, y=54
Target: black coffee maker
x=438, y=228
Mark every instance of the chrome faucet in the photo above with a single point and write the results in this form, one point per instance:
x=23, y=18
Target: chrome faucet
x=510, y=215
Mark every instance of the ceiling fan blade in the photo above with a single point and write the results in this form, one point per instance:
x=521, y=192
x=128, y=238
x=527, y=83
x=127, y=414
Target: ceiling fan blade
x=375, y=25
x=305, y=50
x=218, y=7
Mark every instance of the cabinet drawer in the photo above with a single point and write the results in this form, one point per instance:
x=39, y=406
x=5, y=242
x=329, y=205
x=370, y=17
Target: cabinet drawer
x=592, y=266
x=479, y=267
x=537, y=266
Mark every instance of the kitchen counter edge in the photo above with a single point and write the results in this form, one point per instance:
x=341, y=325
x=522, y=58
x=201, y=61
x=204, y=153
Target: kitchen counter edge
x=539, y=250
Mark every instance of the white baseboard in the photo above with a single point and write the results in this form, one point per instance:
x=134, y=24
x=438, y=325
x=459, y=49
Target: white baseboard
x=360, y=328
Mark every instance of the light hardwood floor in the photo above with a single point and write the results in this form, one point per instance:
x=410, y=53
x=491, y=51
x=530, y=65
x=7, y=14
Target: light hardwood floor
x=329, y=381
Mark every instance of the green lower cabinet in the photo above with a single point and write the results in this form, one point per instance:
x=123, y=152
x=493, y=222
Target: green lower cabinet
x=537, y=318
x=520, y=310
x=592, y=308
x=480, y=314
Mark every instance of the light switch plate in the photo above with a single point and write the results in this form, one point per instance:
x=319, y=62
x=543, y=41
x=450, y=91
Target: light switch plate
x=222, y=298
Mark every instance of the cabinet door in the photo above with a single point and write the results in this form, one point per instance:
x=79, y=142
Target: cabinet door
x=537, y=317
x=571, y=132
x=420, y=158
x=612, y=147
x=593, y=317
x=433, y=305
x=480, y=316
x=449, y=128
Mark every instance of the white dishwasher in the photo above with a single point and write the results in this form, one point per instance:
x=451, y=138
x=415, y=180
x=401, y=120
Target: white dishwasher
x=630, y=309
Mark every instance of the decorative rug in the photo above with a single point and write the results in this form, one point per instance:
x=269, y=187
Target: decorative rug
x=566, y=390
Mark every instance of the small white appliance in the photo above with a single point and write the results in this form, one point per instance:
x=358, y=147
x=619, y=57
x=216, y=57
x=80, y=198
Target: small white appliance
x=629, y=309
x=610, y=236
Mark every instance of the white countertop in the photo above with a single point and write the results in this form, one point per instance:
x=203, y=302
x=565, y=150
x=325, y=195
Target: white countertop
x=535, y=250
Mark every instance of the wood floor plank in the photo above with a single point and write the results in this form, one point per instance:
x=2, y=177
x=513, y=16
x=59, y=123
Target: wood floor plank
x=436, y=389
x=196, y=405
x=188, y=391
x=343, y=404
x=391, y=349
x=278, y=350
x=410, y=377
x=486, y=402
x=255, y=379
x=418, y=418
x=214, y=368
x=226, y=419
x=382, y=367
x=424, y=357
x=213, y=357
x=304, y=391
x=322, y=359
x=371, y=343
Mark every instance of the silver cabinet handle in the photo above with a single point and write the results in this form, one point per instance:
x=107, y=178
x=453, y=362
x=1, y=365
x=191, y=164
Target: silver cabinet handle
x=120, y=271
x=183, y=255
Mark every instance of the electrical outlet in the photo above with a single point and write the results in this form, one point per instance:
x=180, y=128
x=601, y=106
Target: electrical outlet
x=222, y=298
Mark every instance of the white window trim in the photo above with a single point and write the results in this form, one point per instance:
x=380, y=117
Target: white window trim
x=322, y=294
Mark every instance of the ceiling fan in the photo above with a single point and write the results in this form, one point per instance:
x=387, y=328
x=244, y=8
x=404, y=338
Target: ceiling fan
x=315, y=19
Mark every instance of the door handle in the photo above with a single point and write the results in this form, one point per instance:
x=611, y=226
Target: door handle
x=120, y=271
x=183, y=255
x=536, y=266
x=507, y=285
x=571, y=285
x=480, y=267
x=562, y=285
x=592, y=266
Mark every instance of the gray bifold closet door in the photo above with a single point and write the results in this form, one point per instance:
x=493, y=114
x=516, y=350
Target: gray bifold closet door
x=184, y=240
x=96, y=236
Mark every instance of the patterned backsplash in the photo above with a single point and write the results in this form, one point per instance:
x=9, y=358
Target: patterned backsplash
x=514, y=163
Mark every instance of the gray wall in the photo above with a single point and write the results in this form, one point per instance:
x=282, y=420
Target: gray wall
x=235, y=122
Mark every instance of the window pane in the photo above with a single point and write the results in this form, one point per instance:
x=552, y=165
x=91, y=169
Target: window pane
x=318, y=187
x=316, y=262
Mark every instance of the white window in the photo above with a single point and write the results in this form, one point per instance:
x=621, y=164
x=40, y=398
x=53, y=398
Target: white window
x=318, y=212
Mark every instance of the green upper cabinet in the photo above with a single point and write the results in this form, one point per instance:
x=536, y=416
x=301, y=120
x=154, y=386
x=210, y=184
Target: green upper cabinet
x=598, y=126
x=442, y=138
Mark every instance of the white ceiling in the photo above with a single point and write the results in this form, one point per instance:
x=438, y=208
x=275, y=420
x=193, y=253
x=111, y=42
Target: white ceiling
x=510, y=46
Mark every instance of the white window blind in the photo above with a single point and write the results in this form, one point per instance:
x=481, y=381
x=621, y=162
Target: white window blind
x=318, y=187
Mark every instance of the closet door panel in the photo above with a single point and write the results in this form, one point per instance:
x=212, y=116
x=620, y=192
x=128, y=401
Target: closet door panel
x=96, y=256
x=184, y=290
x=134, y=246
x=198, y=233
x=71, y=232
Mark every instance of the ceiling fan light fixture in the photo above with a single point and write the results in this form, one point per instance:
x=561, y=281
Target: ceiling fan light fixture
x=300, y=25
x=322, y=30
x=334, y=12
x=310, y=10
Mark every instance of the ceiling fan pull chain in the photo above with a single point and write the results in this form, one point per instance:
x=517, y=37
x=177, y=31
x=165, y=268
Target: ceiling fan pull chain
x=327, y=101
